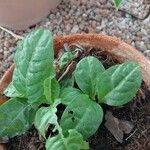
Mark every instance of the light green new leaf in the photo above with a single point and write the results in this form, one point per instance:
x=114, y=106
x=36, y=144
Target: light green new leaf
x=51, y=89
x=117, y=3
x=34, y=63
x=46, y=116
x=83, y=115
x=119, y=84
x=86, y=74
x=69, y=94
x=16, y=116
x=11, y=91
x=65, y=58
x=74, y=141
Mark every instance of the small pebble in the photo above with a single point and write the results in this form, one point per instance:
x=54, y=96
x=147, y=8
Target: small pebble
x=75, y=29
x=93, y=24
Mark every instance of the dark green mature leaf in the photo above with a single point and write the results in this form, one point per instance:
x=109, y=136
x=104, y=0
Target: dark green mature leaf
x=117, y=3
x=16, y=116
x=51, y=89
x=34, y=62
x=119, y=84
x=83, y=115
x=74, y=141
x=86, y=74
x=46, y=116
x=69, y=94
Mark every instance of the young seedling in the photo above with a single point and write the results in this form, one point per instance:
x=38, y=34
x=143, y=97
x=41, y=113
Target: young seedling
x=34, y=83
x=117, y=3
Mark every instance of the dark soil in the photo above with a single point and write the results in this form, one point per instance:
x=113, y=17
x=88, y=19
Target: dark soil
x=137, y=112
x=29, y=141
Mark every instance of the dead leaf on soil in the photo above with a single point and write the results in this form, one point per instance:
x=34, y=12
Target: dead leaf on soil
x=117, y=127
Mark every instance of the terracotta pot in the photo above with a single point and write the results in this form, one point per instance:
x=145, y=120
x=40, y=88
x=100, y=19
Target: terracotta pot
x=20, y=14
x=110, y=45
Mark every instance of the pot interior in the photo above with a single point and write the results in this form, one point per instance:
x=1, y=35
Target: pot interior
x=111, y=46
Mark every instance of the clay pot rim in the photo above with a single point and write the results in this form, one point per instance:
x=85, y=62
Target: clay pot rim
x=112, y=45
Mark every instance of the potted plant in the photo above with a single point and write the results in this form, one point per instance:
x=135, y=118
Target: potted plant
x=64, y=98
x=20, y=14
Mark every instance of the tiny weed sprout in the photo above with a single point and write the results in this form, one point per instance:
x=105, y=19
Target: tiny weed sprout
x=117, y=3
x=35, y=94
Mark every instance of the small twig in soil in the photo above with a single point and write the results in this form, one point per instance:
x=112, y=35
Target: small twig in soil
x=67, y=70
x=19, y=144
x=131, y=135
x=11, y=33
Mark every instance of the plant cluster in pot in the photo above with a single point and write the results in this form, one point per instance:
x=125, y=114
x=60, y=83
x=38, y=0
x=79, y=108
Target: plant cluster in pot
x=20, y=14
x=65, y=96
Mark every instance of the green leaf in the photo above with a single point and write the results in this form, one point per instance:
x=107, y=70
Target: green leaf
x=16, y=116
x=11, y=91
x=86, y=74
x=119, y=84
x=65, y=58
x=69, y=94
x=46, y=116
x=51, y=89
x=83, y=115
x=74, y=141
x=117, y=3
x=34, y=63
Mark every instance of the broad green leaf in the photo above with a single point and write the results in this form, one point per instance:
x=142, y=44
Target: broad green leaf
x=11, y=91
x=117, y=3
x=69, y=94
x=16, y=116
x=74, y=141
x=119, y=84
x=46, y=116
x=51, y=89
x=34, y=63
x=86, y=74
x=83, y=115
